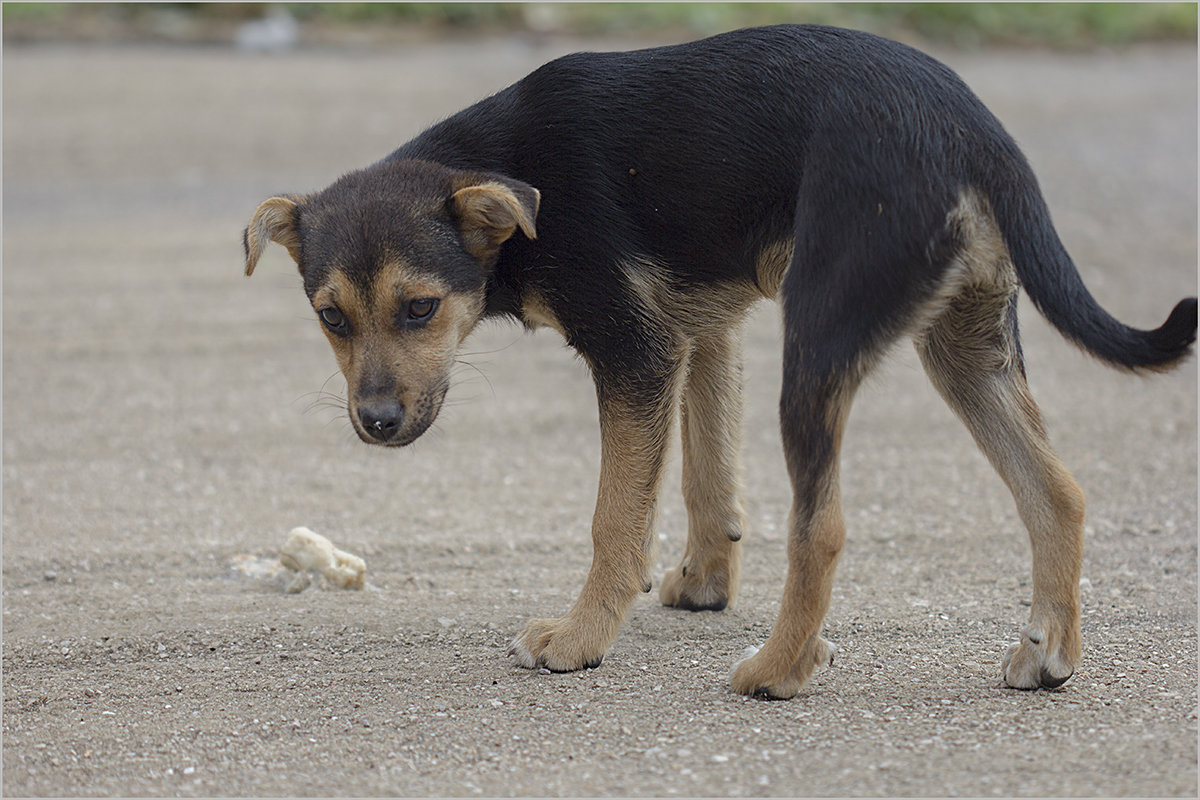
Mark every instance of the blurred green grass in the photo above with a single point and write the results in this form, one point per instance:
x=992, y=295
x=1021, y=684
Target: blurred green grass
x=1063, y=25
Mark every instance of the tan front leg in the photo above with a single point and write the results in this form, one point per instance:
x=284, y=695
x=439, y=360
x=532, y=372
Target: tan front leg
x=710, y=428
x=633, y=445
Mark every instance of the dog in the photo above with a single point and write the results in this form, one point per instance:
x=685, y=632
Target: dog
x=638, y=203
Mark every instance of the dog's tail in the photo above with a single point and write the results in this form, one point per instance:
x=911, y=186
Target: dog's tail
x=1056, y=289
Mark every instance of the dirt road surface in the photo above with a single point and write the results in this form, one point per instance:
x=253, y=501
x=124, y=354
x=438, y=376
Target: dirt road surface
x=161, y=422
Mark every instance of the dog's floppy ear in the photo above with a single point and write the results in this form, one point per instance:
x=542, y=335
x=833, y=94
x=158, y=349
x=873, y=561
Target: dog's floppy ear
x=274, y=220
x=490, y=210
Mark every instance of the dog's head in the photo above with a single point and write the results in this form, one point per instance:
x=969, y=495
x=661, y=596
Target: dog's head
x=395, y=260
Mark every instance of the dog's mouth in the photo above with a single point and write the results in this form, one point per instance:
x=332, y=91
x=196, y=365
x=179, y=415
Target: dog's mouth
x=392, y=423
x=380, y=434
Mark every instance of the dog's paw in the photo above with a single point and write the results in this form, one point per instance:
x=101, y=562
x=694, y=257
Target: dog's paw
x=759, y=675
x=1038, y=661
x=692, y=590
x=557, y=645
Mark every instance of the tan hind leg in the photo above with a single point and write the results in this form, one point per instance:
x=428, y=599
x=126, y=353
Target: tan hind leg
x=710, y=427
x=971, y=353
x=813, y=420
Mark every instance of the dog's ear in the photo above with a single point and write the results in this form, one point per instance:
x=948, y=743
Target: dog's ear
x=490, y=211
x=275, y=220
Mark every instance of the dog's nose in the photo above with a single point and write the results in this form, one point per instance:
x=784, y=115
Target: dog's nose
x=381, y=421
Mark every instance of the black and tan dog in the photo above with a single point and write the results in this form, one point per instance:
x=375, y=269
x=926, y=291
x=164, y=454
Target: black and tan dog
x=638, y=203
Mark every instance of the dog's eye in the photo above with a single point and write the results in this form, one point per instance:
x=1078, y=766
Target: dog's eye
x=334, y=319
x=422, y=309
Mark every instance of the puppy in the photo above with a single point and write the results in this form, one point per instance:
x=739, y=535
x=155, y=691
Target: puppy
x=639, y=203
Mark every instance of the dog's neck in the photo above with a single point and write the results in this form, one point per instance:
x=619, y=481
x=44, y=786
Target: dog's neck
x=503, y=293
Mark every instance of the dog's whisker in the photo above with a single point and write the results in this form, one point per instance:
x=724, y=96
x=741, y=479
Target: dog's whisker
x=333, y=420
x=326, y=400
x=459, y=362
x=501, y=349
x=459, y=402
x=327, y=380
x=322, y=398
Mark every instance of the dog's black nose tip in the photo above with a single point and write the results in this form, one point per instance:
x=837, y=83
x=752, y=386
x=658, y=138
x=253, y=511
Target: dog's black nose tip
x=381, y=421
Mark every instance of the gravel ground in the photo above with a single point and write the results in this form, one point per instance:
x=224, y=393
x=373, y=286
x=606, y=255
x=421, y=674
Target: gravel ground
x=162, y=424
